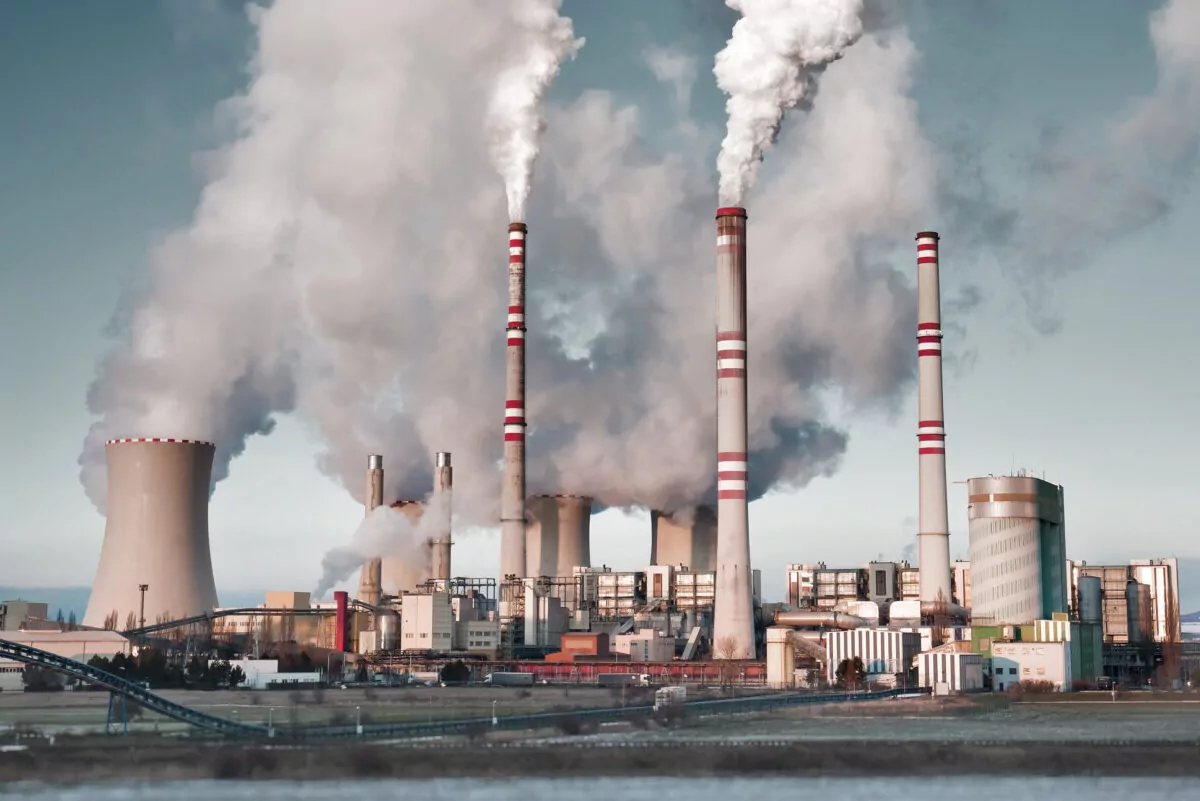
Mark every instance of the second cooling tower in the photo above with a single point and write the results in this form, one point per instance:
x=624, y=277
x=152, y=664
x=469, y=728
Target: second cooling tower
x=558, y=535
x=681, y=539
x=156, y=534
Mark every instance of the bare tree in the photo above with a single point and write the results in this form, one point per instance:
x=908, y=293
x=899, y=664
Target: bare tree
x=727, y=650
x=131, y=621
x=110, y=620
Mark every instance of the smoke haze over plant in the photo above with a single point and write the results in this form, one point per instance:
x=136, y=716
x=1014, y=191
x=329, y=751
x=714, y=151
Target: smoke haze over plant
x=347, y=263
x=766, y=70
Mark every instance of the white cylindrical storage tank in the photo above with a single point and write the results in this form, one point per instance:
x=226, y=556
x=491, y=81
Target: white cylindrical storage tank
x=781, y=658
x=389, y=631
x=1091, y=603
x=156, y=533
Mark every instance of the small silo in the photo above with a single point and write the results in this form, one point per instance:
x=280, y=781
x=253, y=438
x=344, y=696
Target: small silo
x=1091, y=604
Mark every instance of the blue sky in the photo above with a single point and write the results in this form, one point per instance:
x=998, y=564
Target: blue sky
x=108, y=105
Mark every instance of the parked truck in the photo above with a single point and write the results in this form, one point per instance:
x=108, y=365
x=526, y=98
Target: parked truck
x=626, y=679
x=669, y=696
x=509, y=679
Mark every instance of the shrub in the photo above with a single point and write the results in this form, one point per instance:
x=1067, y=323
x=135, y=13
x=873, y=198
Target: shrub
x=570, y=725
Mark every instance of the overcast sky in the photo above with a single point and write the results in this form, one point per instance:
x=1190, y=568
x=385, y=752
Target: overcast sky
x=1063, y=147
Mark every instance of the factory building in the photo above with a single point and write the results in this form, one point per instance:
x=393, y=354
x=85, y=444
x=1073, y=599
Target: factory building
x=1015, y=662
x=960, y=582
x=1154, y=613
x=80, y=645
x=883, y=652
x=17, y=613
x=1018, y=549
x=950, y=672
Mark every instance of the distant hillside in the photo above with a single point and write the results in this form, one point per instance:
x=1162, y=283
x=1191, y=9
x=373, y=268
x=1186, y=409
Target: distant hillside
x=74, y=599
x=1191, y=617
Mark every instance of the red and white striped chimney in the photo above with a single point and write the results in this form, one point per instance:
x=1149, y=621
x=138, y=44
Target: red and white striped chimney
x=733, y=623
x=933, y=532
x=512, y=498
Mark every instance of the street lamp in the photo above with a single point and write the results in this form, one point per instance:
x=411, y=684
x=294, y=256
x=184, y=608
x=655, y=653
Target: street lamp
x=494, y=719
x=358, y=720
x=271, y=722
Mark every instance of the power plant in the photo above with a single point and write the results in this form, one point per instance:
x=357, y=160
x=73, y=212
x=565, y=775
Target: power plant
x=552, y=612
x=155, y=561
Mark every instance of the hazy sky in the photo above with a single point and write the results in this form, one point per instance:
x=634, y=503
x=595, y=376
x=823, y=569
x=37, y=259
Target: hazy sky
x=1074, y=354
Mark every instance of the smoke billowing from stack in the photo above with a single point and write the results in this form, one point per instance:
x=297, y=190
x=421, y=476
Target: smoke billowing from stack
x=512, y=498
x=156, y=533
x=404, y=572
x=733, y=629
x=370, y=582
x=679, y=539
x=443, y=481
x=933, y=532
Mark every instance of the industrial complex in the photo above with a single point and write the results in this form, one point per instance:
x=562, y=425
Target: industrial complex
x=1019, y=613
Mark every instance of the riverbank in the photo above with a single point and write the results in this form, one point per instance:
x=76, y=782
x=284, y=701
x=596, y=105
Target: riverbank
x=134, y=759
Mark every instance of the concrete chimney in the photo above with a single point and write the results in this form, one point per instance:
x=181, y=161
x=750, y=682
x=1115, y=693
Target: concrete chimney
x=933, y=532
x=156, y=532
x=370, y=582
x=733, y=625
x=512, y=498
x=443, y=481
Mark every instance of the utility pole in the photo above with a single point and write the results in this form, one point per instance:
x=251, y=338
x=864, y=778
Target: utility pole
x=142, y=614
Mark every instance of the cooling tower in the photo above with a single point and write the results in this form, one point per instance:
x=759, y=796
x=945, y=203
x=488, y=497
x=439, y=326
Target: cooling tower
x=558, y=535
x=681, y=540
x=406, y=573
x=512, y=497
x=370, y=582
x=733, y=625
x=156, y=533
x=443, y=481
x=933, y=532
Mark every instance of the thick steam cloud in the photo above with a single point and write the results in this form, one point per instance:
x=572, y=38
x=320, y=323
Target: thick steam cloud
x=346, y=263
x=766, y=69
x=389, y=534
x=515, y=113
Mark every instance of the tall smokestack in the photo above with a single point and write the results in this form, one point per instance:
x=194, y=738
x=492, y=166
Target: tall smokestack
x=512, y=499
x=370, y=583
x=733, y=626
x=443, y=480
x=156, y=532
x=933, y=533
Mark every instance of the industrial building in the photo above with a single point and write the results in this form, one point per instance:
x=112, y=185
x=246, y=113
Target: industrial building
x=17, y=613
x=1018, y=549
x=1013, y=663
x=1131, y=614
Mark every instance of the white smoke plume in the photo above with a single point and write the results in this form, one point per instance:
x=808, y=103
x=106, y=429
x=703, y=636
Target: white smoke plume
x=1088, y=186
x=515, y=113
x=342, y=264
x=766, y=68
x=394, y=535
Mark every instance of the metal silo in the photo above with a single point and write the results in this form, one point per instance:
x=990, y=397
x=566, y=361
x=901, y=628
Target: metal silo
x=1091, y=603
x=156, y=533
